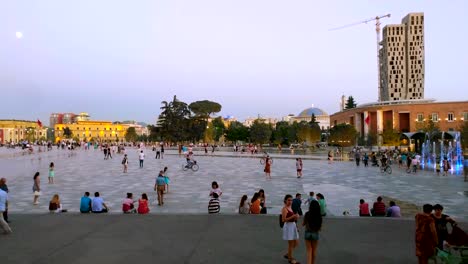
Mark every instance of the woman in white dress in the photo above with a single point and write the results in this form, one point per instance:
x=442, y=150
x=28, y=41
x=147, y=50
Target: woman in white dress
x=290, y=233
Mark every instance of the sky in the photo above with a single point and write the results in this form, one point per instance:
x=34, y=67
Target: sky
x=118, y=59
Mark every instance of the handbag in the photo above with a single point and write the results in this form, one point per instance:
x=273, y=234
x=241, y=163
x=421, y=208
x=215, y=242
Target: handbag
x=37, y=193
x=281, y=223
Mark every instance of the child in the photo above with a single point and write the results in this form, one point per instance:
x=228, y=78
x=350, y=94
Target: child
x=51, y=173
x=311, y=198
x=215, y=190
x=213, y=205
x=438, y=168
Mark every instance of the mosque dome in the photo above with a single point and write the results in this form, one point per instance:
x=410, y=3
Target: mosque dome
x=312, y=110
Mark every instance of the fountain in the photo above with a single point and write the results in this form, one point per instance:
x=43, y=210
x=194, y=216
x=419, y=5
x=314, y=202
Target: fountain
x=446, y=149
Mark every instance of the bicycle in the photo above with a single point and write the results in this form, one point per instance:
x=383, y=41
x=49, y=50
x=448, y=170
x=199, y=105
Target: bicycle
x=412, y=169
x=386, y=169
x=192, y=165
x=264, y=157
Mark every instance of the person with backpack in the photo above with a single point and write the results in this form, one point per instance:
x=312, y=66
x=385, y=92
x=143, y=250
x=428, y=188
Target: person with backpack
x=125, y=163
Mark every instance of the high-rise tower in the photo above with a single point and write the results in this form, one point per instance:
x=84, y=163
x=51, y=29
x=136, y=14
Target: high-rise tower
x=402, y=60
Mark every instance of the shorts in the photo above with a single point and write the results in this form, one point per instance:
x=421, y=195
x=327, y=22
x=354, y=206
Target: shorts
x=299, y=170
x=161, y=188
x=311, y=236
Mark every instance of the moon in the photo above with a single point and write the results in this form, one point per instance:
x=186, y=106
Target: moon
x=19, y=35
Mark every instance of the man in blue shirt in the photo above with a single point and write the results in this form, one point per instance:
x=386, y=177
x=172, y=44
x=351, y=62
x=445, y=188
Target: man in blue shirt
x=296, y=204
x=85, y=205
x=97, y=204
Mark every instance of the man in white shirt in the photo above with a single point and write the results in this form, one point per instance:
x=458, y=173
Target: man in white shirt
x=3, y=201
x=142, y=158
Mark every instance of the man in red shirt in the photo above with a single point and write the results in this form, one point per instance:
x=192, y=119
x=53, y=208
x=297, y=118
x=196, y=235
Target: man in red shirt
x=379, y=208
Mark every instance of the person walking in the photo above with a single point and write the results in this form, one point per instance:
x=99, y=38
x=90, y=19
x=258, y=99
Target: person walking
x=244, y=206
x=141, y=157
x=366, y=160
x=162, y=150
x=36, y=188
x=299, y=167
x=330, y=157
x=159, y=187
x=313, y=224
x=446, y=166
x=357, y=157
x=267, y=169
x=166, y=179
x=158, y=153
x=290, y=232
x=125, y=163
x=3, y=207
x=51, y=173
x=426, y=235
x=4, y=187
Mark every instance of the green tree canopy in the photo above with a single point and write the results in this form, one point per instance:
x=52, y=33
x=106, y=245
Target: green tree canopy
x=343, y=135
x=67, y=133
x=205, y=108
x=350, y=103
x=131, y=135
x=260, y=132
x=308, y=132
x=237, y=132
x=464, y=135
x=429, y=126
x=174, y=120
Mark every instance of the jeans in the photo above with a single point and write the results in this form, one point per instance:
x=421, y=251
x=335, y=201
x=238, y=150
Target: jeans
x=141, y=163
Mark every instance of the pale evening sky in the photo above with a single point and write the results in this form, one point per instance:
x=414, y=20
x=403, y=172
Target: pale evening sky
x=118, y=59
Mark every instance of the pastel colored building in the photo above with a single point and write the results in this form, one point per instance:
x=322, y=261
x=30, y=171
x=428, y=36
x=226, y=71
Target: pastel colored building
x=92, y=130
x=15, y=131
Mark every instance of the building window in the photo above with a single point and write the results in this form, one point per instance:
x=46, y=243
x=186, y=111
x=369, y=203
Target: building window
x=465, y=116
x=435, y=117
x=450, y=117
x=420, y=118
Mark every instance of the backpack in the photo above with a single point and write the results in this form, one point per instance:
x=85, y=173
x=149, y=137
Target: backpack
x=281, y=223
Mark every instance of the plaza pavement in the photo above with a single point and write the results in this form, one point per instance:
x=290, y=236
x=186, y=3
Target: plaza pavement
x=341, y=183
x=87, y=239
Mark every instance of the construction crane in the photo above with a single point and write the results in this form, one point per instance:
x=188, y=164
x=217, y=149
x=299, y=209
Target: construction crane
x=377, y=30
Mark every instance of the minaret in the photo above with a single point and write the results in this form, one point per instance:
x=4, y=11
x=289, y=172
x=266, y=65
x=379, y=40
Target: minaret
x=343, y=102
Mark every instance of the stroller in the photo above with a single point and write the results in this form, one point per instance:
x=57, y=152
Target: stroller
x=457, y=244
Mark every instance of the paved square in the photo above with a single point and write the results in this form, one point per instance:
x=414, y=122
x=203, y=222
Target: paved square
x=341, y=183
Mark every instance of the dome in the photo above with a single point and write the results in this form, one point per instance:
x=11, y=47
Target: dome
x=312, y=110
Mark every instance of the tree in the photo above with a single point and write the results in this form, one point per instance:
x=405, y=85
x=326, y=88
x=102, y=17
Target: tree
x=391, y=137
x=131, y=135
x=308, y=132
x=343, y=135
x=174, y=120
x=281, y=133
x=237, y=132
x=429, y=127
x=350, y=103
x=219, y=128
x=260, y=132
x=67, y=133
x=204, y=108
